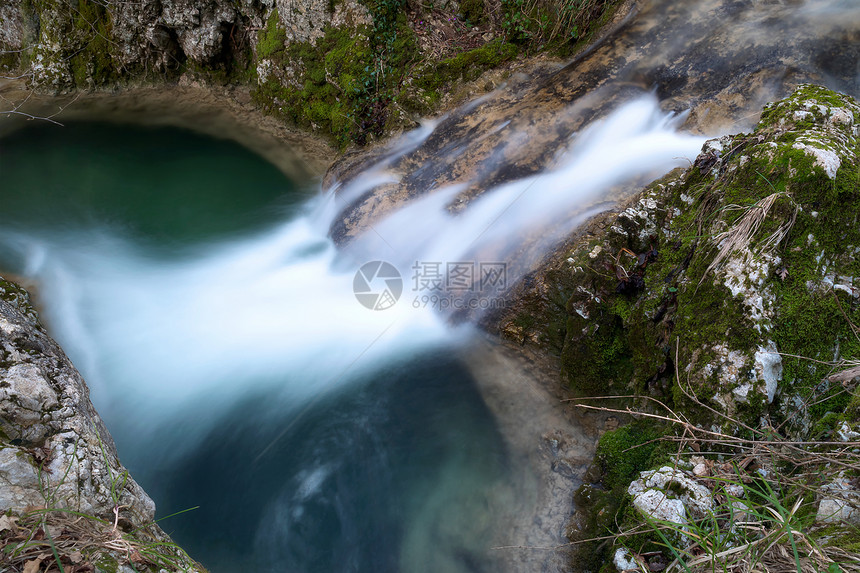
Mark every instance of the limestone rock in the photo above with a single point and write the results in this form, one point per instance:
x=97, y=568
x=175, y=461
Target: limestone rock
x=304, y=21
x=669, y=494
x=840, y=502
x=846, y=434
x=55, y=450
x=623, y=561
x=11, y=31
x=175, y=28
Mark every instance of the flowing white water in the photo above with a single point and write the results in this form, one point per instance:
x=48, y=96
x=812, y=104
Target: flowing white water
x=248, y=370
x=152, y=335
x=636, y=140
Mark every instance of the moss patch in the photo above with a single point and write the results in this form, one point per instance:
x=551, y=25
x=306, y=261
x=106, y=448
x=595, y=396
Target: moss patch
x=466, y=66
x=92, y=65
x=321, y=86
x=624, y=452
x=18, y=297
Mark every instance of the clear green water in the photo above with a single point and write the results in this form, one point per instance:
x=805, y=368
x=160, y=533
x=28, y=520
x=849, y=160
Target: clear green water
x=163, y=186
x=397, y=469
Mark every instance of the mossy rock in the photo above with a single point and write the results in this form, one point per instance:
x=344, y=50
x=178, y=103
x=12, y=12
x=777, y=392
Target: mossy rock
x=621, y=454
x=710, y=335
x=18, y=297
x=624, y=452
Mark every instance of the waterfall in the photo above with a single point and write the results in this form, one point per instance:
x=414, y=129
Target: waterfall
x=156, y=335
x=280, y=336
x=306, y=382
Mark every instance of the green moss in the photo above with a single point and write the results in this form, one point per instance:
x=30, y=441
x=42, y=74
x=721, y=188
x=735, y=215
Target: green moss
x=813, y=321
x=9, y=60
x=624, y=452
x=272, y=39
x=106, y=564
x=825, y=426
x=621, y=455
x=92, y=64
x=852, y=410
x=330, y=82
x=598, y=359
x=472, y=11
x=18, y=297
x=343, y=83
x=601, y=509
x=782, y=112
x=843, y=536
x=466, y=66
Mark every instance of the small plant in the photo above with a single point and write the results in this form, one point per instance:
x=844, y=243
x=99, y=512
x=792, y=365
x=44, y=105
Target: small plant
x=550, y=22
x=65, y=539
x=764, y=488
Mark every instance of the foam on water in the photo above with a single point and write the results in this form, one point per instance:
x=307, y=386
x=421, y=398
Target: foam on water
x=152, y=334
x=247, y=370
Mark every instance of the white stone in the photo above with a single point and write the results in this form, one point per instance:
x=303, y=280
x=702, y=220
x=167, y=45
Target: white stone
x=745, y=275
x=768, y=366
x=28, y=388
x=657, y=505
x=840, y=503
x=623, y=562
x=735, y=490
x=846, y=434
x=715, y=145
x=841, y=116
x=824, y=158
x=741, y=392
x=651, y=495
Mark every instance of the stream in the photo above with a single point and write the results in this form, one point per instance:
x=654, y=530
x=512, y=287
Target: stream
x=293, y=376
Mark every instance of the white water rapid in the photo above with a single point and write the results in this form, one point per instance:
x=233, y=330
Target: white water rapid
x=153, y=336
x=246, y=376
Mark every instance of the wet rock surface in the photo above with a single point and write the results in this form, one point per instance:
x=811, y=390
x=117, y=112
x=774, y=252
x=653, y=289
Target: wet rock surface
x=726, y=61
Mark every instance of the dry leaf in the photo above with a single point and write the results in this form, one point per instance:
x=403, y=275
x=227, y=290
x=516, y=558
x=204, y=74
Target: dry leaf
x=7, y=522
x=845, y=376
x=76, y=557
x=55, y=531
x=32, y=566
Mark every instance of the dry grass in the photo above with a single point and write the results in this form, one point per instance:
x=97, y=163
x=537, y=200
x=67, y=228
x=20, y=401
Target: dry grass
x=44, y=539
x=780, y=480
x=739, y=237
